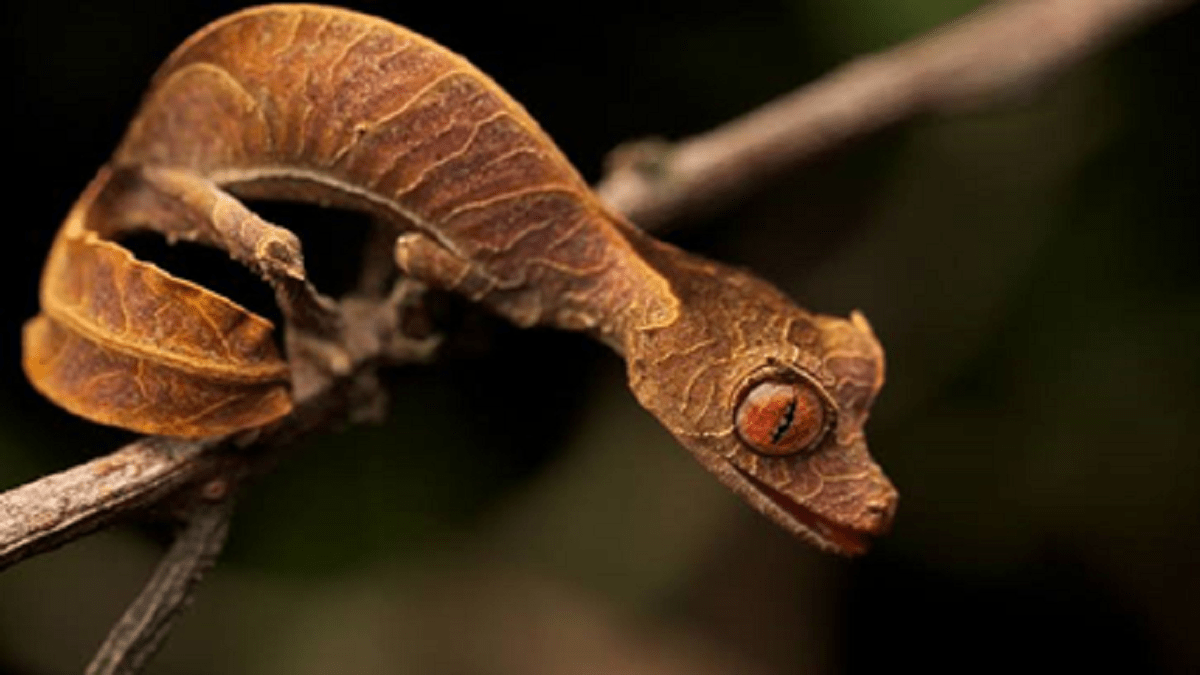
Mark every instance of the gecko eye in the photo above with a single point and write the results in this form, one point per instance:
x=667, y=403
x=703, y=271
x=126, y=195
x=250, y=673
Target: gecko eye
x=782, y=417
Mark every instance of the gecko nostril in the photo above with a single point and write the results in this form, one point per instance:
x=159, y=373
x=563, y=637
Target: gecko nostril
x=879, y=515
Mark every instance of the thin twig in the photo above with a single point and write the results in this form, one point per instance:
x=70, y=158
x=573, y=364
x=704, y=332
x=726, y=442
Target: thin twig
x=1003, y=50
x=141, y=630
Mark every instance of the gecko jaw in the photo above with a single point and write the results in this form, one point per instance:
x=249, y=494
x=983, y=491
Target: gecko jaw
x=828, y=534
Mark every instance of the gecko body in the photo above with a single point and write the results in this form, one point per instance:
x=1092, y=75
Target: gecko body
x=317, y=104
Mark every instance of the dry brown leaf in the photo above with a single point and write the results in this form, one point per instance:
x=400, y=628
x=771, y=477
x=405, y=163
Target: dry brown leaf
x=122, y=342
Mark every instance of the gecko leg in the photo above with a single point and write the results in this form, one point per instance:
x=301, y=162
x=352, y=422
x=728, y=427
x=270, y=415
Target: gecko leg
x=182, y=205
x=421, y=257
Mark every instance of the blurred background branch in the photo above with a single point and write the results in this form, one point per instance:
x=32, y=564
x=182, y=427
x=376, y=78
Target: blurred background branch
x=1005, y=50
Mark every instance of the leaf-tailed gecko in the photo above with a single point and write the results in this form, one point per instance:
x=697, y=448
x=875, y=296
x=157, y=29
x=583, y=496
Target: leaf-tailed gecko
x=324, y=105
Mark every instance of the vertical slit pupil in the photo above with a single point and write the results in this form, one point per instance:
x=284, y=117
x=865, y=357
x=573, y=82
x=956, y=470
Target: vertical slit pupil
x=781, y=417
x=785, y=420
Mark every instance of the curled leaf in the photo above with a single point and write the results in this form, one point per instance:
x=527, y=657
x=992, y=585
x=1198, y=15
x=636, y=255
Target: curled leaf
x=122, y=342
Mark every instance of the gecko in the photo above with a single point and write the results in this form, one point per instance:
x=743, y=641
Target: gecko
x=328, y=106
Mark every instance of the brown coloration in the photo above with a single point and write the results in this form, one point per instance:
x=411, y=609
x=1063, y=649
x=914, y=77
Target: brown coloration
x=121, y=342
x=328, y=106
x=735, y=331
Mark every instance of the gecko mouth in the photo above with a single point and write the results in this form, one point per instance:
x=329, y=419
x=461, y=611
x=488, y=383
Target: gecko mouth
x=842, y=538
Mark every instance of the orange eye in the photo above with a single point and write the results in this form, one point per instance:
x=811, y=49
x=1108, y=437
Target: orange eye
x=781, y=418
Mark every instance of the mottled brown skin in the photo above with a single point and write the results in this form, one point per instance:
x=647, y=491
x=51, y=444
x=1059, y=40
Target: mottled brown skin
x=325, y=105
x=121, y=342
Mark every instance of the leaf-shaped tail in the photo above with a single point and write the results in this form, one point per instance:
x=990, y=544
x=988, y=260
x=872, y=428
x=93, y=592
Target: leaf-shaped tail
x=122, y=342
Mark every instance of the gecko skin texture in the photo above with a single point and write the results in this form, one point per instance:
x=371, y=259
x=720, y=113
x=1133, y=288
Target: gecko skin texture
x=323, y=105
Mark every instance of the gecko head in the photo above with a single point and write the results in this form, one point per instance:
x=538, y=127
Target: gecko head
x=772, y=400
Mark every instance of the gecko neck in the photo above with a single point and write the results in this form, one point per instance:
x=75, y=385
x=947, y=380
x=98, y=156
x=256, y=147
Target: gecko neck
x=645, y=268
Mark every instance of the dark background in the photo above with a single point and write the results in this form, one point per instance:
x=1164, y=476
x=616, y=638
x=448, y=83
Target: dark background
x=1032, y=273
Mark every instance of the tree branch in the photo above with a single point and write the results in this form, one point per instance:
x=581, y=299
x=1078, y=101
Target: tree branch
x=139, y=632
x=56, y=509
x=59, y=508
x=1003, y=50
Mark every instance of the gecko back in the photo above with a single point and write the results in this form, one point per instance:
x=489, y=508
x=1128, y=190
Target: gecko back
x=330, y=106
